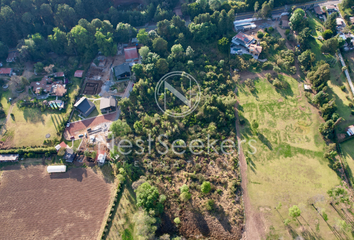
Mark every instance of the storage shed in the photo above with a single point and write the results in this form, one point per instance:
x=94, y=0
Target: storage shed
x=56, y=169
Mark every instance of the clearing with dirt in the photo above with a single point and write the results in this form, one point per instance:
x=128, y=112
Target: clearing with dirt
x=36, y=205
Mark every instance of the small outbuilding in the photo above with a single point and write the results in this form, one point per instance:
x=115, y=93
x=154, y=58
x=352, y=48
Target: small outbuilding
x=61, y=145
x=56, y=169
x=108, y=104
x=101, y=158
x=69, y=155
x=9, y=157
x=79, y=73
x=84, y=106
x=307, y=87
x=131, y=54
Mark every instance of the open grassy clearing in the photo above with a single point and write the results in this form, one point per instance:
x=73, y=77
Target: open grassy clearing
x=288, y=166
x=123, y=224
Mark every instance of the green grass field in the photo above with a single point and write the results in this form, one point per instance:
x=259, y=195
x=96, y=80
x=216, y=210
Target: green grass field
x=288, y=166
x=122, y=225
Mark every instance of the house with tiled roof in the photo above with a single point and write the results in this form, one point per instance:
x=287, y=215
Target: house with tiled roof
x=243, y=39
x=6, y=71
x=245, y=44
x=318, y=10
x=46, y=85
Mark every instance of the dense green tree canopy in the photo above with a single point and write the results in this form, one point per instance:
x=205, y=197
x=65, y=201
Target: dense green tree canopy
x=298, y=20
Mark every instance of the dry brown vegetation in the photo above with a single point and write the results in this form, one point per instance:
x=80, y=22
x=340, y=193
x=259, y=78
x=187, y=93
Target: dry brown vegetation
x=36, y=205
x=225, y=220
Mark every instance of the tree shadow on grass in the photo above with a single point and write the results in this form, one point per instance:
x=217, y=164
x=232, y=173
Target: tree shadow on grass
x=265, y=141
x=32, y=116
x=286, y=91
x=251, y=164
x=55, y=125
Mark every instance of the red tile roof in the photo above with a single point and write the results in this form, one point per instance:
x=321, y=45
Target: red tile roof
x=78, y=73
x=244, y=37
x=63, y=145
x=55, y=88
x=131, y=53
x=59, y=74
x=5, y=70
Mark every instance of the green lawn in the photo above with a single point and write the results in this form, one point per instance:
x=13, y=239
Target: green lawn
x=288, y=166
x=5, y=95
x=30, y=126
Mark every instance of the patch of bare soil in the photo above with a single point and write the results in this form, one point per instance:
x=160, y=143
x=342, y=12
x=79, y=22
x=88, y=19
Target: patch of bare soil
x=36, y=205
x=196, y=225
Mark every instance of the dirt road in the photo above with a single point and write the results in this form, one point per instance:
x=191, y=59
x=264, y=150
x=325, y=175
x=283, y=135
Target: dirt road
x=255, y=228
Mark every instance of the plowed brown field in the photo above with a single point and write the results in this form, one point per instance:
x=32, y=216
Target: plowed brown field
x=36, y=205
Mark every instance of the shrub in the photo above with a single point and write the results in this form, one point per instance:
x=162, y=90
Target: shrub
x=177, y=220
x=206, y=187
x=350, y=105
x=287, y=32
x=184, y=188
x=209, y=205
x=260, y=34
x=342, y=88
x=185, y=196
x=270, y=29
x=267, y=66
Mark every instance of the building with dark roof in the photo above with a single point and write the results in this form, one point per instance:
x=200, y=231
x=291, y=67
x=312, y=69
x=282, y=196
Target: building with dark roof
x=108, y=104
x=121, y=71
x=84, y=106
x=69, y=155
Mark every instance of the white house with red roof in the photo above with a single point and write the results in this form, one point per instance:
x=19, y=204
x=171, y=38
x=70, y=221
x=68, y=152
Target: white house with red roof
x=245, y=44
x=131, y=54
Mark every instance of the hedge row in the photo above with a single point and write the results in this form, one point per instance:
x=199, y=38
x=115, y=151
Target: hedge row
x=117, y=197
x=29, y=150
